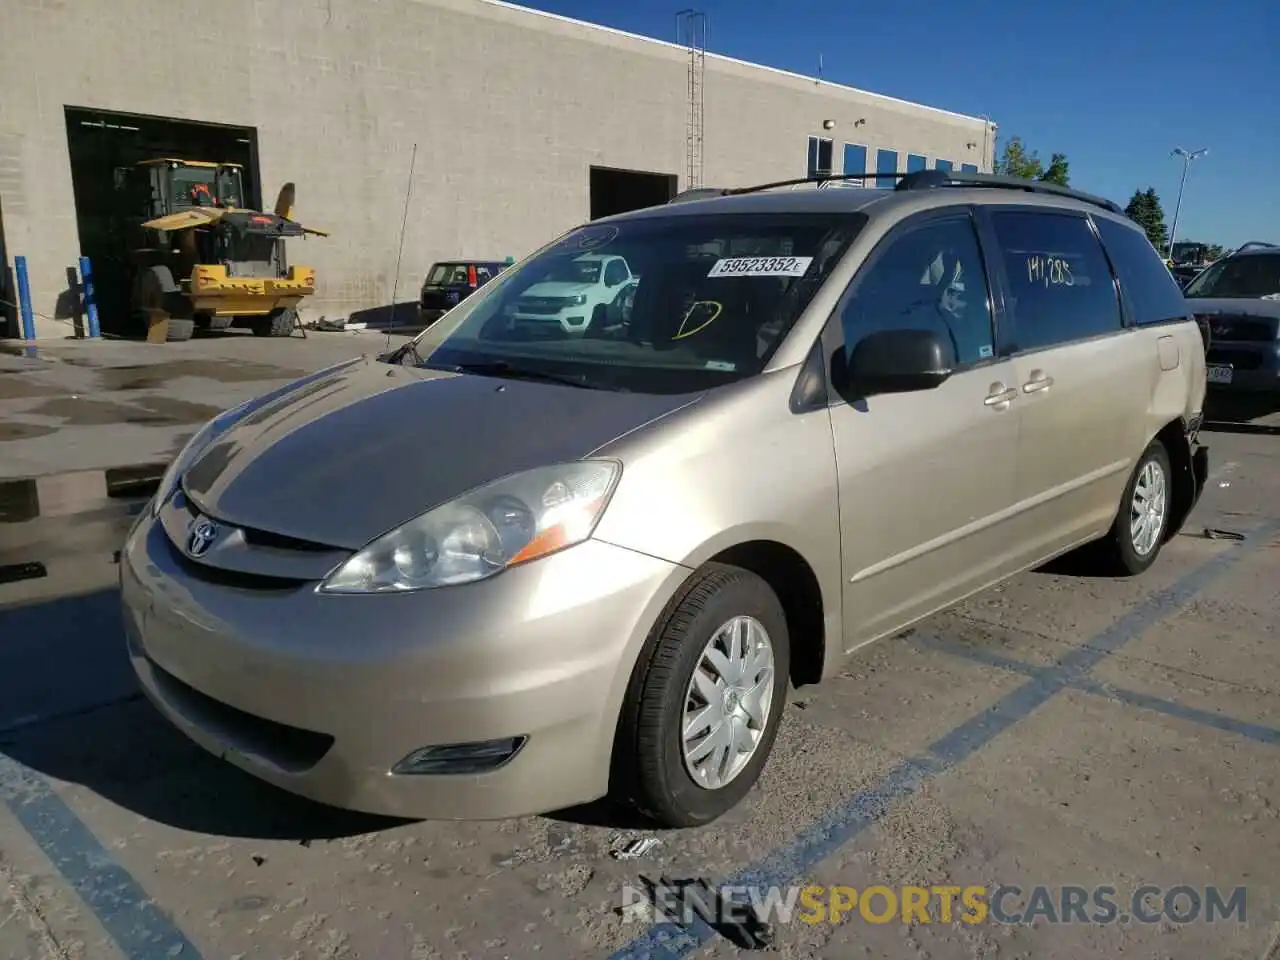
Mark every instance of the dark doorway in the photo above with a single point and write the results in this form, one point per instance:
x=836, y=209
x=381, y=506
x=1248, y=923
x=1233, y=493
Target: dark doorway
x=9, y=324
x=617, y=191
x=100, y=142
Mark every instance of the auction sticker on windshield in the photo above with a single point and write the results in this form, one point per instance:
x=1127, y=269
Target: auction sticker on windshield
x=760, y=267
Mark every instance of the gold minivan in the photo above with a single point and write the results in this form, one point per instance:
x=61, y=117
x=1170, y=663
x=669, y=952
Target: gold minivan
x=508, y=569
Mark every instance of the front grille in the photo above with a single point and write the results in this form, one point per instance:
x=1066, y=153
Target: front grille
x=1241, y=329
x=290, y=748
x=258, y=582
x=1239, y=359
x=263, y=560
x=543, y=306
x=278, y=541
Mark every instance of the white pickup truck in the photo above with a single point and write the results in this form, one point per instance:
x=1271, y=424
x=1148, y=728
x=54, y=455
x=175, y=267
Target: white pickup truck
x=576, y=291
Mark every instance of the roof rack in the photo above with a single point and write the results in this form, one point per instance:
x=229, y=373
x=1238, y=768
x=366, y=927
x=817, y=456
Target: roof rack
x=919, y=180
x=931, y=179
x=1253, y=245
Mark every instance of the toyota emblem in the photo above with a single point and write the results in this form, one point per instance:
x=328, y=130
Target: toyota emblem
x=203, y=532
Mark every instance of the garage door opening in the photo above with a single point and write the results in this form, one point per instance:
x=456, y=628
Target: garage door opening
x=617, y=191
x=100, y=144
x=8, y=288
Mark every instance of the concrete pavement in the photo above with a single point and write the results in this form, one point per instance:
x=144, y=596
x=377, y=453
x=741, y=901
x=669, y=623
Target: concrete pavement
x=1061, y=730
x=83, y=405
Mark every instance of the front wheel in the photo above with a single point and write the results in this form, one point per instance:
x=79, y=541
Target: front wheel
x=1136, y=536
x=702, y=711
x=279, y=323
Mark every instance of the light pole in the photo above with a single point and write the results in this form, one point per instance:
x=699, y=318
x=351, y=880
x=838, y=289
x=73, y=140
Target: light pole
x=1187, y=156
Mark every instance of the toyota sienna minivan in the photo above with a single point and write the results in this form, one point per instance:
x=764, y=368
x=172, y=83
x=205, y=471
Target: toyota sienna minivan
x=510, y=568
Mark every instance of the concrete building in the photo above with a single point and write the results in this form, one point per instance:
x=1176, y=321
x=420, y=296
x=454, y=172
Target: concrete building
x=524, y=124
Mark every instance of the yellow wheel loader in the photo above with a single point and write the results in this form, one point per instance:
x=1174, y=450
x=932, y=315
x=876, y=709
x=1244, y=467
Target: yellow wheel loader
x=198, y=257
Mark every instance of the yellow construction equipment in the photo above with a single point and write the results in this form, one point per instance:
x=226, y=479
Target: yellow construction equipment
x=199, y=257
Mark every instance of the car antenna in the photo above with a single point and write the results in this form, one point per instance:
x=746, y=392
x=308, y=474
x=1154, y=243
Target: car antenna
x=395, y=284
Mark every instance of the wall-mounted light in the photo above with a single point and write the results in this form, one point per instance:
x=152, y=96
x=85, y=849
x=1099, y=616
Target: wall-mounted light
x=828, y=124
x=970, y=145
x=861, y=121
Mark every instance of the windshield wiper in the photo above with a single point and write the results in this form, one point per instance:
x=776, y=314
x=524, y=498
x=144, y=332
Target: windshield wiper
x=510, y=371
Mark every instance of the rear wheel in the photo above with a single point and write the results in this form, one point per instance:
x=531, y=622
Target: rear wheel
x=1138, y=533
x=279, y=323
x=702, y=711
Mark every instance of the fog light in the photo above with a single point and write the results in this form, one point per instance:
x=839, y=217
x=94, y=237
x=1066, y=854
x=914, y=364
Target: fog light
x=460, y=757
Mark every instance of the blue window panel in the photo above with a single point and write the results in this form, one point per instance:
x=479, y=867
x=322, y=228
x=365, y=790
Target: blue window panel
x=915, y=163
x=886, y=162
x=944, y=165
x=968, y=168
x=855, y=159
x=812, y=167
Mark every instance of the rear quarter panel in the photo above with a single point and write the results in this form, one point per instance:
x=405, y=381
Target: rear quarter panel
x=1180, y=383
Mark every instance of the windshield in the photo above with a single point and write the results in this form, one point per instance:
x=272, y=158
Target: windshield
x=1189, y=252
x=690, y=302
x=1253, y=275
x=206, y=187
x=579, y=270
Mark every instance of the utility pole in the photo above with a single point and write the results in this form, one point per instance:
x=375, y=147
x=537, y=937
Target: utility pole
x=1187, y=157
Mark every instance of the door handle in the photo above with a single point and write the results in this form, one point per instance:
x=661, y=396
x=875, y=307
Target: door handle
x=999, y=395
x=1037, y=382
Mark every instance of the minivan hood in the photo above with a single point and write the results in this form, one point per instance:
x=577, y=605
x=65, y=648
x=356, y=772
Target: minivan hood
x=349, y=455
x=557, y=288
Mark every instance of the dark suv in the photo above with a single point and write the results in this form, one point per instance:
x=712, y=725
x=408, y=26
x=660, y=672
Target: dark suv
x=449, y=282
x=1237, y=300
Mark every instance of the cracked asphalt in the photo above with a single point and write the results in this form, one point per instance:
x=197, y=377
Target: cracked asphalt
x=1058, y=730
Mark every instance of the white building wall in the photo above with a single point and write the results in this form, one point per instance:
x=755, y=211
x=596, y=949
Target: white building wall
x=508, y=108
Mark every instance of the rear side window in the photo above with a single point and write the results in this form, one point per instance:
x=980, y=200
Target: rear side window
x=1153, y=294
x=448, y=273
x=1060, y=283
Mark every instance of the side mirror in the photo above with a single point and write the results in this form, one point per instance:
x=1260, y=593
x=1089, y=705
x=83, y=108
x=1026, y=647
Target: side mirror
x=894, y=361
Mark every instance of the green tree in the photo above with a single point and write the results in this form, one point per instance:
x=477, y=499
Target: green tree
x=1017, y=161
x=1058, y=171
x=1145, y=210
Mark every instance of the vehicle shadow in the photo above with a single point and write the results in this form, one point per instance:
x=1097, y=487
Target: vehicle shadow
x=1240, y=412
x=391, y=317
x=71, y=710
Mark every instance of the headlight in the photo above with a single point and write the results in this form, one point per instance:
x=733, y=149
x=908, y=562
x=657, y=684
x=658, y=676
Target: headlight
x=482, y=533
x=195, y=446
x=578, y=300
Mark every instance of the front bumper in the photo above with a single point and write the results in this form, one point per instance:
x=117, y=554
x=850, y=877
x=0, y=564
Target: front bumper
x=323, y=695
x=1255, y=366
x=429, y=315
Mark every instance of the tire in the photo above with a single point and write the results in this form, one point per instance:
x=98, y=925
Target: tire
x=179, y=329
x=1121, y=551
x=650, y=768
x=279, y=324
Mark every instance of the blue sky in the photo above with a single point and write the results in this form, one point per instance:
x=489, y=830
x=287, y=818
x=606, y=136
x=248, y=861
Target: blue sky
x=1114, y=84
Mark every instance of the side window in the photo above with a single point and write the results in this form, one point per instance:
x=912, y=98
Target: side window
x=1153, y=294
x=1060, y=285
x=615, y=273
x=930, y=278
